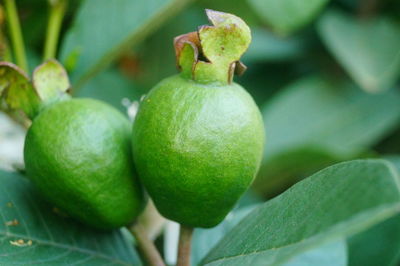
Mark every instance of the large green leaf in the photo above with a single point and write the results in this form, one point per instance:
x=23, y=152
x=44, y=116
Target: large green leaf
x=204, y=240
x=103, y=29
x=32, y=234
x=285, y=16
x=334, y=203
x=379, y=245
x=314, y=122
x=369, y=50
x=381, y=242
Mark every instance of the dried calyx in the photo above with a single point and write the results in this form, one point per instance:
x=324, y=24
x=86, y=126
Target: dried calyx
x=49, y=84
x=212, y=53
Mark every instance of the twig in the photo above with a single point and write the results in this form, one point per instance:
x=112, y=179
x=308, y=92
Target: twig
x=185, y=243
x=147, y=248
x=57, y=12
x=5, y=54
x=16, y=34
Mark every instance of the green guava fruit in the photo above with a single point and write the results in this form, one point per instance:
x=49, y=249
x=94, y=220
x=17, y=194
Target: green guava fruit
x=198, y=137
x=77, y=153
x=197, y=148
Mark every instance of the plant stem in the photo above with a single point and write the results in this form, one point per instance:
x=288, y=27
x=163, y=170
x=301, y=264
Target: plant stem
x=57, y=12
x=16, y=34
x=5, y=54
x=185, y=243
x=146, y=246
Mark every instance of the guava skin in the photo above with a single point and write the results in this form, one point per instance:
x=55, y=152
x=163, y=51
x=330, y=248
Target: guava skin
x=77, y=153
x=197, y=148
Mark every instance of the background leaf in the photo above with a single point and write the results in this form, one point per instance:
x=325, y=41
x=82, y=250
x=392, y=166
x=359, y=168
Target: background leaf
x=369, y=50
x=330, y=254
x=297, y=107
x=315, y=122
x=336, y=202
x=285, y=16
x=103, y=29
x=267, y=47
x=112, y=87
x=31, y=233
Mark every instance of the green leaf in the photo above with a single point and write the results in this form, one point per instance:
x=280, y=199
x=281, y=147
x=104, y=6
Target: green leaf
x=104, y=29
x=336, y=202
x=112, y=87
x=319, y=112
x=32, y=234
x=286, y=16
x=314, y=122
x=369, y=50
x=17, y=90
x=50, y=80
x=204, y=240
x=381, y=242
x=267, y=47
x=156, y=55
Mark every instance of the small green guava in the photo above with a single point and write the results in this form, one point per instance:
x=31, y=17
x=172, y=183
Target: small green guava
x=77, y=153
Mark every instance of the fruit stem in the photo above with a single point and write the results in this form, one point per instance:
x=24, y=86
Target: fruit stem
x=16, y=35
x=185, y=243
x=57, y=12
x=146, y=246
